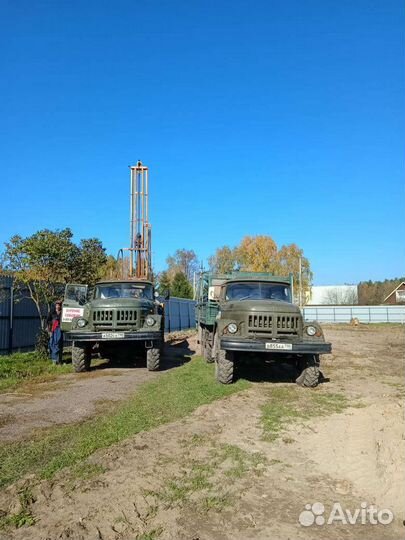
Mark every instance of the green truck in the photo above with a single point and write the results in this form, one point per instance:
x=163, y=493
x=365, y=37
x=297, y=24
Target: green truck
x=117, y=318
x=241, y=314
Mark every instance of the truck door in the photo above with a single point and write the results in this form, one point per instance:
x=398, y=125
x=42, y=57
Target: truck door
x=73, y=304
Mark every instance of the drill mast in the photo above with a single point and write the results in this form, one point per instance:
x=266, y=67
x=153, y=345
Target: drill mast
x=140, y=250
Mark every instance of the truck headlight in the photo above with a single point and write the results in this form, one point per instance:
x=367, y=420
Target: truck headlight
x=81, y=323
x=311, y=330
x=232, y=328
x=150, y=321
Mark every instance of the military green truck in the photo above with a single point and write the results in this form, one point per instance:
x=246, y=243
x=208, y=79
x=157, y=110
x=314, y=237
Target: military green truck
x=242, y=314
x=116, y=319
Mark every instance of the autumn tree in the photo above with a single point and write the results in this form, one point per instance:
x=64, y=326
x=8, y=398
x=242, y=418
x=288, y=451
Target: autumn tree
x=260, y=254
x=257, y=254
x=183, y=260
x=181, y=287
x=288, y=261
x=374, y=292
x=223, y=261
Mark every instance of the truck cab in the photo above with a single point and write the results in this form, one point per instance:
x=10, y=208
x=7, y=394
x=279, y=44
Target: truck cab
x=255, y=313
x=116, y=317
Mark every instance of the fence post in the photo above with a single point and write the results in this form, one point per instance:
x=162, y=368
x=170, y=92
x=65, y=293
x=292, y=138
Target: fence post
x=11, y=321
x=168, y=315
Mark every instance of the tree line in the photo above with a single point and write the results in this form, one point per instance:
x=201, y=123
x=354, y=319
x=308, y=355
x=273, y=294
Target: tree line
x=372, y=293
x=43, y=262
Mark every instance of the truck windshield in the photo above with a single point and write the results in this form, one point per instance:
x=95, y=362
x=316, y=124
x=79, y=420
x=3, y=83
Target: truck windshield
x=124, y=290
x=258, y=291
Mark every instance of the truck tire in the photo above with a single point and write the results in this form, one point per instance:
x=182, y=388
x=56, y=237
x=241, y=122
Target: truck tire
x=81, y=357
x=207, y=352
x=200, y=349
x=153, y=359
x=310, y=374
x=224, y=367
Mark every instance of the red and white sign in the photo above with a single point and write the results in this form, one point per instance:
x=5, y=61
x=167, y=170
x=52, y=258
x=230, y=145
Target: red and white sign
x=68, y=313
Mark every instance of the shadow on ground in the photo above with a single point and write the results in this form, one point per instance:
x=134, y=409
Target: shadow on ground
x=174, y=355
x=261, y=371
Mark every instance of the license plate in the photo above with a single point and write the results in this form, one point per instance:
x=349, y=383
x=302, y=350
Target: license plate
x=279, y=346
x=112, y=335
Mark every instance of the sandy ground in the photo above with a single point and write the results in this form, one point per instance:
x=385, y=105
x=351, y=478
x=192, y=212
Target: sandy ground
x=213, y=475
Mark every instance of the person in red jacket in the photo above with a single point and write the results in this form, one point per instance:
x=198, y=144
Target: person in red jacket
x=56, y=336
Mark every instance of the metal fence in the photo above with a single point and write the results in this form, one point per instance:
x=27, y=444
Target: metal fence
x=19, y=320
x=179, y=314
x=365, y=314
x=20, y=323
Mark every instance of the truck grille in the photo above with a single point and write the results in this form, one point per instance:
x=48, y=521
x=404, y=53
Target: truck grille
x=103, y=317
x=262, y=322
x=126, y=316
x=288, y=325
x=115, y=318
x=274, y=326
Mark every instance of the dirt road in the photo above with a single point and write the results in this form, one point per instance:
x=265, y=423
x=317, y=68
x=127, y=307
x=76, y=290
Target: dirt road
x=73, y=398
x=214, y=475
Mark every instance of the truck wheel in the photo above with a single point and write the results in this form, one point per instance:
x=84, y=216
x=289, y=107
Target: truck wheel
x=309, y=368
x=224, y=367
x=207, y=349
x=81, y=357
x=200, y=349
x=207, y=353
x=153, y=359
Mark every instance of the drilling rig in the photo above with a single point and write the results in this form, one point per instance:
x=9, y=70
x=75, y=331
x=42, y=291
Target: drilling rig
x=119, y=317
x=140, y=260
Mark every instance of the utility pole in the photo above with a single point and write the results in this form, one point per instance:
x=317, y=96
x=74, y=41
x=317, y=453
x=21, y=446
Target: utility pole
x=300, y=287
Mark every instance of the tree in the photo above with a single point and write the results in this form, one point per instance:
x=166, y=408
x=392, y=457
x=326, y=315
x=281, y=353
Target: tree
x=43, y=262
x=374, y=292
x=181, y=287
x=260, y=254
x=340, y=296
x=164, y=283
x=257, y=254
x=91, y=261
x=288, y=261
x=183, y=260
x=223, y=261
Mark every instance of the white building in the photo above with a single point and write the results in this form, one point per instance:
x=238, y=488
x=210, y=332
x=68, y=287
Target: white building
x=333, y=295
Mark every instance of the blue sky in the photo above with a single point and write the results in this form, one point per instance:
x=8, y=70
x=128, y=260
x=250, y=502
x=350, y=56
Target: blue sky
x=284, y=118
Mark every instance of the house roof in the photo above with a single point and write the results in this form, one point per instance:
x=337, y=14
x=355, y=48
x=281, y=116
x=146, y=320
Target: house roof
x=392, y=292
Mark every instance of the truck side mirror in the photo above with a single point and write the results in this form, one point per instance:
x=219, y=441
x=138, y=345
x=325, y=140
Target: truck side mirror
x=167, y=294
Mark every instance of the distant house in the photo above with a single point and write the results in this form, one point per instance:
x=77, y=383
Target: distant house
x=397, y=296
x=333, y=295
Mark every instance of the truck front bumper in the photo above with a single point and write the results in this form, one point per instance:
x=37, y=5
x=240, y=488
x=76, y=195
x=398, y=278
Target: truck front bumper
x=300, y=347
x=75, y=335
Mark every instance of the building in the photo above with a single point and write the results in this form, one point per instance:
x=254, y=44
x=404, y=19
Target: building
x=397, y=296
x=333, y=295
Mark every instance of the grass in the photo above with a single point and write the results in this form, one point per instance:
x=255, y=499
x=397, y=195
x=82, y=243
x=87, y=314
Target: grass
x=206, y=482
x=23, y=517
x=291, y=404
x=168, y=398
x=19, y=368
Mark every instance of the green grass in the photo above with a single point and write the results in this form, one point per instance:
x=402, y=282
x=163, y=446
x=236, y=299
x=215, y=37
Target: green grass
x=205, y=481
x=23, y=517
x=291, y=404
x=19, y=368
x=170, y=397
